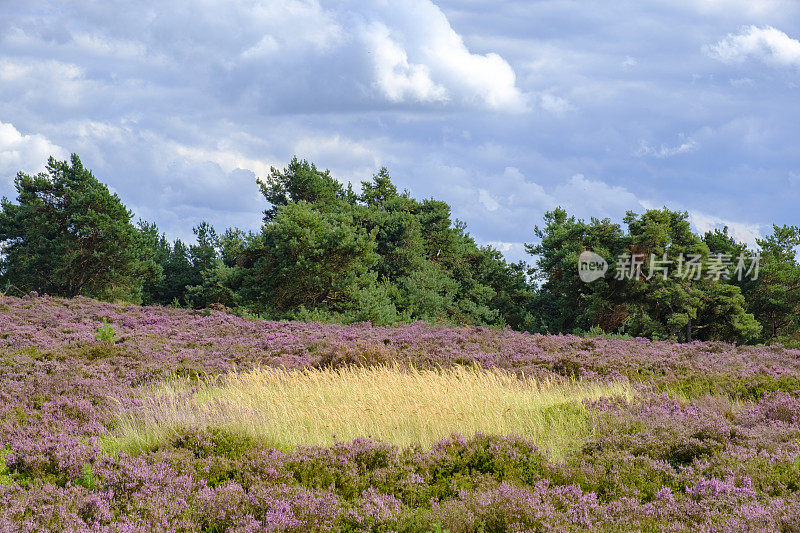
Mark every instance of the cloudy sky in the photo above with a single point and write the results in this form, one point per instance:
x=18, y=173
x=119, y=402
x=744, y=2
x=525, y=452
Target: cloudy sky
x=505, y=109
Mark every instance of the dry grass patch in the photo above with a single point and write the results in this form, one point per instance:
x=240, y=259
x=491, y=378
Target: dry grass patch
x=395, y=404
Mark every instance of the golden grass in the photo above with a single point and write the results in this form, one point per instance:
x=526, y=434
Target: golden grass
x=395, y=404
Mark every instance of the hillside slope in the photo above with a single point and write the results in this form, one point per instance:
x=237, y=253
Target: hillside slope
x=706, y=439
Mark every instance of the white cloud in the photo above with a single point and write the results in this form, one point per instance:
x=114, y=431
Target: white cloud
x=555, y=104
x=513, y=251
x=206, y=184
x=51, y=81
x=227, y=160
x=519, y=193
x=395, y=76
x=766, y=44
x=485, y=198
x=19, y=71
x=748, y=8
x=118, y=49
x=349, y=160
x=595, y=198
x=250, y=52
x=505, y=205
x=247, y=84
x=664, y=152
x=27, y=153
x=742, y=82
x=741, y=231
x=426, y=59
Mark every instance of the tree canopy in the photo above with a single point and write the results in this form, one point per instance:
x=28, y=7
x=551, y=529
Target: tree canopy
x=327, y=252
x=68, y=235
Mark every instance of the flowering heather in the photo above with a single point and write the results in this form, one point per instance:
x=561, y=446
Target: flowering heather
x=709, y=443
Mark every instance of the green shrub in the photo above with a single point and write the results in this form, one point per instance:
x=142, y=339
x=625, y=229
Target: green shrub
x=87, y=479
x=105, y=333
x=213, y=441
x=5, y=477
x=357, y=354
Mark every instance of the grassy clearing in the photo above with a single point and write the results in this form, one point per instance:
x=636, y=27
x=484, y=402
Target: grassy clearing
x=402, y=406
x=5, y=478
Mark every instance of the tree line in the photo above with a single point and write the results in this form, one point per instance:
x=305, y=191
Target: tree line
x=331, y=253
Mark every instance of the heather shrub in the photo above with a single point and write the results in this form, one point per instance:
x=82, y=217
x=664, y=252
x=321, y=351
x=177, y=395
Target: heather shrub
x=695, y=384
x=772, y=476
x=458, y=463
x=356, y=354
x=211, y=453
x=506, y=507
x=214, y=442
x=52, y=508
x=568, y=367
x=285, y=508
x=757, y=386
x=661, y=427
x=50, y=457
x=600, y=472
x=264, y=465
x=717, y=452
x=781, y=407
x=94, y=351
x=373, y=511
x=349, y=468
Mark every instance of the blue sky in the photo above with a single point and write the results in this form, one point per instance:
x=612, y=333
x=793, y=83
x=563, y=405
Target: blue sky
x=504, y=109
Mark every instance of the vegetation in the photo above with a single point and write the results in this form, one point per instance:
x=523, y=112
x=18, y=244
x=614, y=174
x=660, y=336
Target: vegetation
x=68, y=235
x=703, y=436
x=329, y=253
x=650, y=304
x=397, y=405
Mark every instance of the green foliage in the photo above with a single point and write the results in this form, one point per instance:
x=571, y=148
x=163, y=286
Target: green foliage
x=309, y=257
x=380, y=191
x=301, y=181
x=774, y=298
x=328, y=253
x=67, y=235
x=215, y=287
x=105, y=333
x=324, y=252
x=429, y=292
x=177, y=270
x=154, y=250
x=376, y=305
x=211, y=441
x=381, y=256
x=87, y=479
x=5, y=477
x=198, y=275
x=648, y=304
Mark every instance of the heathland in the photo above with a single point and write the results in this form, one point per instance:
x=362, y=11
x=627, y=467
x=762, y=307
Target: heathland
x=126, y=418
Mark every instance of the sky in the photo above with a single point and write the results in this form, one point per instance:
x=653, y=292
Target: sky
x=504, y=109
